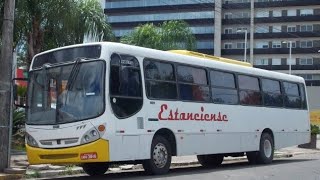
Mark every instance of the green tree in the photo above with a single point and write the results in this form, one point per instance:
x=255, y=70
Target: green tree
x=167, y=36
x=42, y=25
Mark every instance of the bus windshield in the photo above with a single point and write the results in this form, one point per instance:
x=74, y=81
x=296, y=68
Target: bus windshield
x=66, y=93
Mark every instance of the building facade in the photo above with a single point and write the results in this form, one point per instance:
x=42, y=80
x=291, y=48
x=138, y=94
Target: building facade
x=276, y=25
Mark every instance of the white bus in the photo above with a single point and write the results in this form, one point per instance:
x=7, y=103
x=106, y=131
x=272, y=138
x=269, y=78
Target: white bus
x=103, y=103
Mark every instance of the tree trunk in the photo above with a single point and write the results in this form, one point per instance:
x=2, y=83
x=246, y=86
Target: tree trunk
x=5, y=81
x=35, y=40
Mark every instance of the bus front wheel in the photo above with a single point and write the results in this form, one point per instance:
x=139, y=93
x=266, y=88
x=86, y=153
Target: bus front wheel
x=160, y=157
x=211, y=160
x=95, y=169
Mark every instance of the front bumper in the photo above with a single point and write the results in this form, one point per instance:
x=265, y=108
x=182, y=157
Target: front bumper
x=97, y=151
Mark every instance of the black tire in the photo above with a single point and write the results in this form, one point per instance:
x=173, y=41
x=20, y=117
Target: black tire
x=262, y=156
x=160, y=148
x=95, y=169
x=209, y=161
x=252, y=157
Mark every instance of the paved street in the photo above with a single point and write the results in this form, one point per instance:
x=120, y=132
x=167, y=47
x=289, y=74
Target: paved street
x=301, y=167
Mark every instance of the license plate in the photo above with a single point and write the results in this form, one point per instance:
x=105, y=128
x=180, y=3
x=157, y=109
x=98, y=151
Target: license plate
x=87, y=156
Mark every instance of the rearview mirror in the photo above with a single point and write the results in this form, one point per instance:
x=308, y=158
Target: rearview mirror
x=20, y=88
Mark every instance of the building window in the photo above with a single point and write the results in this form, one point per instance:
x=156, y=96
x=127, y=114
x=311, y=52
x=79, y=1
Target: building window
x=306, y=28
x=262, y=45
x=262, y=62
x=293, y=44
x=240, y=45
x=306, y=44
x=276, y=61
x=228, y=30
x=262, y=29
x=306, y=12
x=292, y=12
x=228, y=16
x=306, y=76
x=292, y=62
x=292, y=29
x=276, y=44
x=276, y=28
x=262, y=14
x=306, y=61
x=276, y=13
x=227, y=45
x=241, y=30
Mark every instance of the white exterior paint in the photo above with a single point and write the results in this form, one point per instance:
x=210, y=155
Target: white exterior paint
x=241, y=133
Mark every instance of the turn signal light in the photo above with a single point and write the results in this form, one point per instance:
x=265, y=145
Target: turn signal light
x=101, y=128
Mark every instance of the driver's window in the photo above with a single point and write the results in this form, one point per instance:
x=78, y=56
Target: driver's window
x=125, y=85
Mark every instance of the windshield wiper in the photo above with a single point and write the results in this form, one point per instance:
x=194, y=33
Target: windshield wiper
x=73, y=74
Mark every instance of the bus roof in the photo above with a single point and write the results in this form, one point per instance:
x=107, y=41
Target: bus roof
x=210, y=57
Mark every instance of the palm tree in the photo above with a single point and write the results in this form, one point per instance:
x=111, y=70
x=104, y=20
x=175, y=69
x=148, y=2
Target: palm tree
x=42, y=25
x=167, y=36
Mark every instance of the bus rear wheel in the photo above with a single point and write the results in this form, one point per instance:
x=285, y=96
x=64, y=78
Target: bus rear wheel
x=161, y=155
x=95, y=169
x=265, y=153
x=211, y=160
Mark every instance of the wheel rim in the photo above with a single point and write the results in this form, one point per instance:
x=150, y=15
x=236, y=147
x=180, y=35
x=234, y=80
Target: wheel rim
x=160, y=155
x=267, y=148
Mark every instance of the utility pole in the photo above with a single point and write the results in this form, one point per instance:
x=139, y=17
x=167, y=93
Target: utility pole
x=217, y=27
x=251, y=31
x=5, y=81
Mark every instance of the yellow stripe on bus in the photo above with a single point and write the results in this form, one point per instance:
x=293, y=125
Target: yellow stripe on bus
x=210, y=57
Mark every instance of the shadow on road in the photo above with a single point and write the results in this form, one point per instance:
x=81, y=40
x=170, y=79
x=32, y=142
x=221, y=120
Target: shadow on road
x=182, y=171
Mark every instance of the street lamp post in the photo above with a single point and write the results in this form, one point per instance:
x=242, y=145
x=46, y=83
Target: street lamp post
x=245, y=43
x=290, y=54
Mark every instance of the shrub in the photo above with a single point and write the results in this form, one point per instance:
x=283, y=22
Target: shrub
x=315, y=129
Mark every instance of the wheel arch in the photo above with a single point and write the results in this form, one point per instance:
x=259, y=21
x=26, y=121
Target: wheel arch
x=269, y=131
x=170, y=136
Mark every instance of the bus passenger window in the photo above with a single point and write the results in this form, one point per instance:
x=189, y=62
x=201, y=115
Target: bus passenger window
x=303, y=97
x=160, y=80
x=249, y=90
x=223, y=88
x=125, y=85
x=292, y=95
x=272, y=93
x=193, y=84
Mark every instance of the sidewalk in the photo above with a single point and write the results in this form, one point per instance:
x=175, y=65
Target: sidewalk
x=19, y=164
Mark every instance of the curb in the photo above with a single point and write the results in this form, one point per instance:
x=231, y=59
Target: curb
x=78, y=170
x=10, y=176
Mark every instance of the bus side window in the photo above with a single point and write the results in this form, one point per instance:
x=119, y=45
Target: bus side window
x=272, y=93
x=160, y=80
x=224, y=89
x=303, y=97
x=193, y=84
x=292, y=97
x=249, y=89
x=125, y=85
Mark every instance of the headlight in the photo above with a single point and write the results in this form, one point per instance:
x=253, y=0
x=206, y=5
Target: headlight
x=31, y=141
x=90, y=136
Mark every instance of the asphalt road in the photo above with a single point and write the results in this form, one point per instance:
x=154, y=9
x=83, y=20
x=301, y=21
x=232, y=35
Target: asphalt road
x=302, y=167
